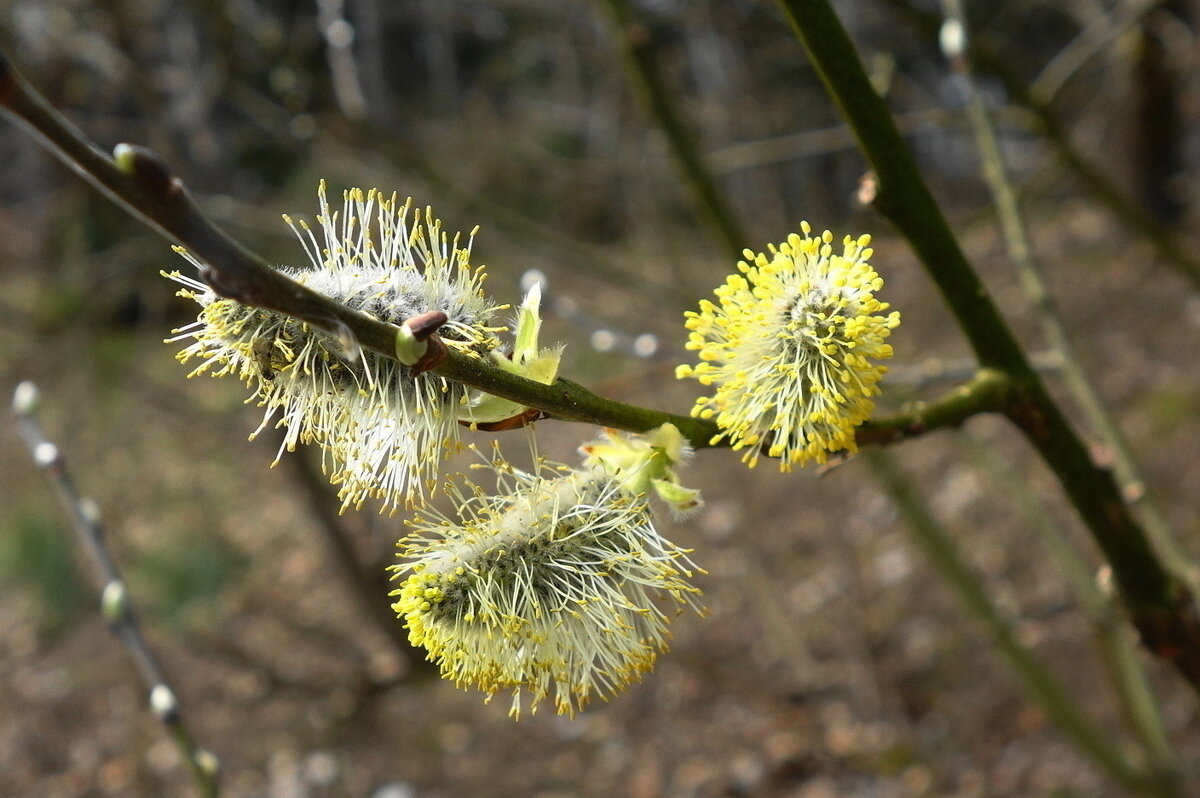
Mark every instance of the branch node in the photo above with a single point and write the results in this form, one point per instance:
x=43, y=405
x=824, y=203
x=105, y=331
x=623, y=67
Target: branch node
x=524, y=419
x=208, y=762
x=114, y=601
x=435, y=354
x=47, y=456
x=424, y=325
x=868, y=190
x=164, y=704
x=25, y=399
x=417, y=345
x=148, y=169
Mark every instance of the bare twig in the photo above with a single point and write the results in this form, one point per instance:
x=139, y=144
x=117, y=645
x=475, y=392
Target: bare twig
x=807, y=143
x=938, y=371
x=339, y=53
x=368, y=588
x=1029, y=271
x=1049, y=693
x=1112, y=635
x=1160, y=605
x=1100, y=32
x=114, y=598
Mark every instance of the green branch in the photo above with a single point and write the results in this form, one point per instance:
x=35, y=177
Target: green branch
x=140, y=182
x=1160, y=606
x=1043, y=687
x=1095, y=178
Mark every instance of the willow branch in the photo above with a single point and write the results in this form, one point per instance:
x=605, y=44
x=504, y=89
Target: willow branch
x=1094, y=178
x=1029, y=272
x=1043, y=687
x=1160, y=606
x=140, y=182
x=114, y=602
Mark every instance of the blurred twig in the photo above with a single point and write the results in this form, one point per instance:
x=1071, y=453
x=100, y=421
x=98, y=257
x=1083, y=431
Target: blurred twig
x=1029, y=271
x=1094, y=178
x=1101, y=31
x=638, y=44
x=939, y=371
x=339, y=54
x=114, y=600
x=369, y=589
x=1120, y=655
x=1043, y=687
x=807, y=143
x=1160, y=605
x=579, y=256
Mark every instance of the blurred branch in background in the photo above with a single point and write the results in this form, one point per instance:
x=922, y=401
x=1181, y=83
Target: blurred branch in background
x=808, y=143
x=368, y=585
x=115, y=603
x=954, y=39
x=373, y=127
x=1120, y=655
x=1097, y=33
x=910, y=378
x=343, y=70
x=1095, y=179
x=571, y=254
x=637, y=43
x=1049, y=693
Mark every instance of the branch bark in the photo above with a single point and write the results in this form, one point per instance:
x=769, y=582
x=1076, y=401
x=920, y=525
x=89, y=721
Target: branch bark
x=138, y=180
x=1159, y=605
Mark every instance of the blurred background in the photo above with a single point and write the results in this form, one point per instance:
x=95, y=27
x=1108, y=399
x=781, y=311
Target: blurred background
x=833, y=661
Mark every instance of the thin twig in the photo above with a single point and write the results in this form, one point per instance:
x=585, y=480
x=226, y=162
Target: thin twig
x=114, y=597
x=1112, y=635
x=821, y=141
x=1159, y=604
x=369, y=588
x=1043, y=687
x=1095, y=36
x=939, y=371
x=339, y=54
x=639, y=47
x=571, y=254
x=1029, y=271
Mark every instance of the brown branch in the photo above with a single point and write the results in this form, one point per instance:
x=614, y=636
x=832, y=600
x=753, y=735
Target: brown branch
x=140, y=182
x=1160, y=605
x=114, y=598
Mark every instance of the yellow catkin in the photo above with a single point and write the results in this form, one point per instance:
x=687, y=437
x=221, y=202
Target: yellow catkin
x=791, y=347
